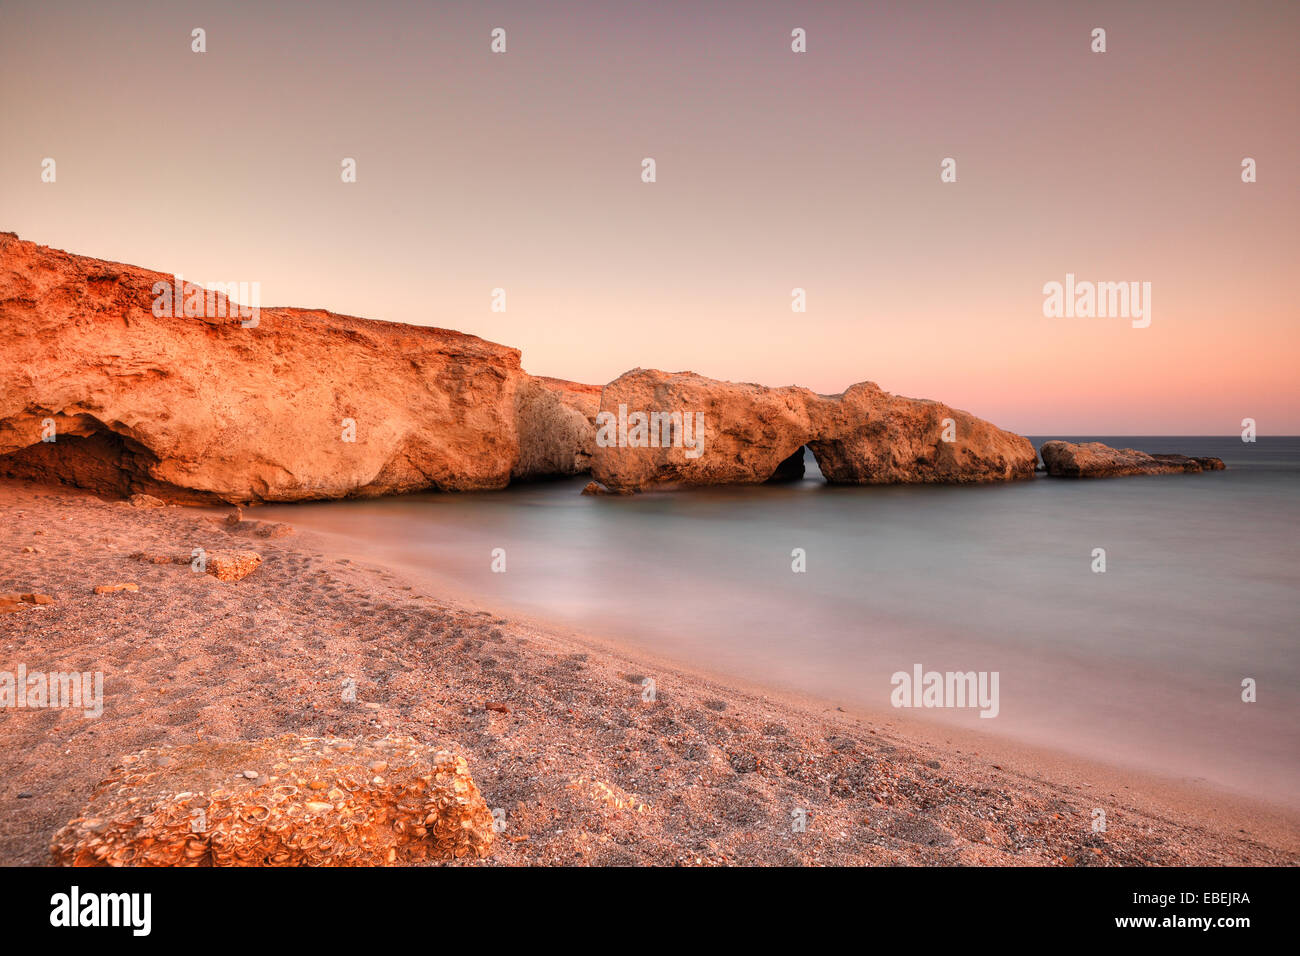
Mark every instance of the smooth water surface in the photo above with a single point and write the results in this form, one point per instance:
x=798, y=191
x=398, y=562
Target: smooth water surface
x=1140, y=665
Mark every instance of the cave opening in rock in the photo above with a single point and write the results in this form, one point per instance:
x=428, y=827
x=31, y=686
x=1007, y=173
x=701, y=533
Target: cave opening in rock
x=791, y=469
x=101, y=461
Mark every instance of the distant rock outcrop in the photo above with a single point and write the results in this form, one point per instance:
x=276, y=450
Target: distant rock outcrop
x=663, y=429
x=1064, y=459
x=286, y=801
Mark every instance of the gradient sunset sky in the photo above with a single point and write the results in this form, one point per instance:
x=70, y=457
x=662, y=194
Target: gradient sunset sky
x=775, y=170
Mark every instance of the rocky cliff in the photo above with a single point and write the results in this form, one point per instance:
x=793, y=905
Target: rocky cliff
x=290, y=404
x=123, y=381
x=663, y=429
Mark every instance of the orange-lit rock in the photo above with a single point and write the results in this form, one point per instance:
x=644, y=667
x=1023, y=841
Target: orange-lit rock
x=556, y=422
x=1064, y=459
x=734, y=433
x=869, y=436
x=232, y=565
x=205, y=409
x=285, y=801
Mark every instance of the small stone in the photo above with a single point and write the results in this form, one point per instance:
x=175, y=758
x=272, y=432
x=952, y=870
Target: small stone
x=273, y=529
x=251, y=774
x=232, y=565
x=111, y=588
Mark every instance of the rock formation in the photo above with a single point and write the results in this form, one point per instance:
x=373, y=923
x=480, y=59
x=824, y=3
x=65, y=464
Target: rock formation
x=302, y=404
x=665, y=429
x=868, y=436
x=557, y=433
x=722, y=432
x=104, y=388
x=286, y=801
x=1064, y=459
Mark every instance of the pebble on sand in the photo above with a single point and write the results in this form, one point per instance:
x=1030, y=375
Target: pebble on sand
x=110, y=588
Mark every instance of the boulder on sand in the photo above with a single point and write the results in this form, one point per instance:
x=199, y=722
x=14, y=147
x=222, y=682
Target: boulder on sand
x=285, y=801
x=232, y=565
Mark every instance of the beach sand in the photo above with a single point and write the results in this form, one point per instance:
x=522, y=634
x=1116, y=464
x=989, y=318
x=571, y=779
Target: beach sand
x=585, y=770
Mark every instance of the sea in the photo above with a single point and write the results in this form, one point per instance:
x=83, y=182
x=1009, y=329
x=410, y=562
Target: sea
x=1148, y=622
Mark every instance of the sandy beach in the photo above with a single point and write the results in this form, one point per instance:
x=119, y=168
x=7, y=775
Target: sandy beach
x=553, y=724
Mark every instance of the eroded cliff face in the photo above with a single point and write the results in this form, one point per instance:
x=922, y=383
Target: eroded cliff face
x=557, y=428
x=303, y=404
x=708, y=432
x=208, y=404
x=869, y=436
x=703, y=432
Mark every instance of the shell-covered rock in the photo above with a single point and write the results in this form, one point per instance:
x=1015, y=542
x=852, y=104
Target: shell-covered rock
x=284, y=801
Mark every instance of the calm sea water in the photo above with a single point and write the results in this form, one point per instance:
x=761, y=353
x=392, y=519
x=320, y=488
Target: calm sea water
x=1141, y=665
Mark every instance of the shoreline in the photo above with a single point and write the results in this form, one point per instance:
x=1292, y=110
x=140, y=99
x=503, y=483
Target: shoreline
x=1156, y=791
x=439, y=545
x=587, y=772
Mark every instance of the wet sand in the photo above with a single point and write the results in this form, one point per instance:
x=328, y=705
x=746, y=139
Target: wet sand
x=586, y=770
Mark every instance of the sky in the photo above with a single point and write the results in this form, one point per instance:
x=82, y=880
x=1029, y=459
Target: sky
x=775, y=170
